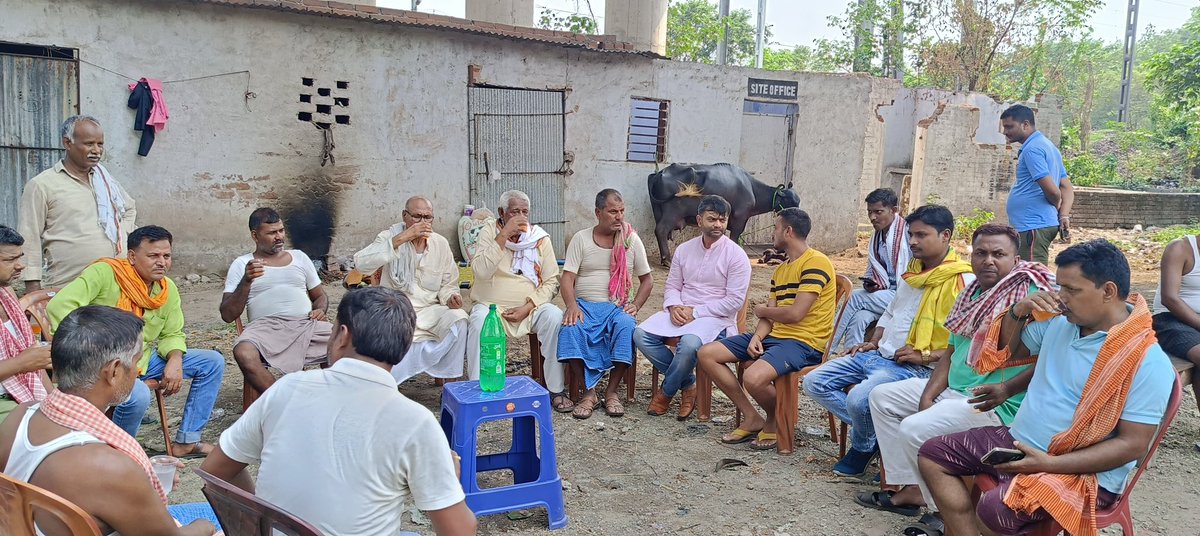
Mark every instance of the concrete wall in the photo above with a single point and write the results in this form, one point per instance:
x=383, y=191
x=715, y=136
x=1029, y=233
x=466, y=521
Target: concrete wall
x=1111, y=209
x=223, y=154
x=514, y=12
x=640, y=22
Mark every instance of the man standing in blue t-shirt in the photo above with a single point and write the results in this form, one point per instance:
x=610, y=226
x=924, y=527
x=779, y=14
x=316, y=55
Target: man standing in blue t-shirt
x=1039, y=204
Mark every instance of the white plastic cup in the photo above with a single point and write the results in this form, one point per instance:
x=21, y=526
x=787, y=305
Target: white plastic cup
x=164, y=469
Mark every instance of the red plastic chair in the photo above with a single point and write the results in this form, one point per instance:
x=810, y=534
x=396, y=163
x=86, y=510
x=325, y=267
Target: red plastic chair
x=19, y=499
x=244, y=514
x=1118, y=512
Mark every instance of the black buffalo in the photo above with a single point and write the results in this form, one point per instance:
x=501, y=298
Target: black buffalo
x=675, y=193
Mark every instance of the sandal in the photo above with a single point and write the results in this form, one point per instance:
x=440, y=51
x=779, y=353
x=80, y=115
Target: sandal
x=613, y=406
x=882, y=500
x=585, y=407
x=929, y=525
x=561, y=402
x=738, y=435
x=765, y=441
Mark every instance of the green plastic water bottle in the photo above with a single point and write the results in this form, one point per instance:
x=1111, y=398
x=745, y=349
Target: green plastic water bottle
x=493, y=352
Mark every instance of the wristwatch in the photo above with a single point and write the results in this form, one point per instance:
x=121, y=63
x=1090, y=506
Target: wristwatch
x=925, y=354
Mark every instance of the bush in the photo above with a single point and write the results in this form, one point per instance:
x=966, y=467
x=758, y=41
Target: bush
x=966, y=224
x=1173, y=232
x=1089, y=170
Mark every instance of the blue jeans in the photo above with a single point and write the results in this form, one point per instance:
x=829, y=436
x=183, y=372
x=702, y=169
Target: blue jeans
x=204, y=367
x=868, y=370
x=678, y=367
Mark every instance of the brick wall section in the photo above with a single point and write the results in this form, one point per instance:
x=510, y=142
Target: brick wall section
x=961, y=174
x=1111, y=209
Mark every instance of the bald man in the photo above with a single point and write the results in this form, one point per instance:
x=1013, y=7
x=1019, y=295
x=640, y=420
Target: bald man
x=415, y=260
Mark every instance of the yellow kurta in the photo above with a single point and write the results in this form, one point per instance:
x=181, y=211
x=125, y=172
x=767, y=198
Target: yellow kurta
x=436, y=280
x=496, y=283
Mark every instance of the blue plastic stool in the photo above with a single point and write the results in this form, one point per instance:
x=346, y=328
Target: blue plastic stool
x=535, y=480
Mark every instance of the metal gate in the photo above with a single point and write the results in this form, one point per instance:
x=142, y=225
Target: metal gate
x=36, y=94
x=768, y=147
x=517, y=144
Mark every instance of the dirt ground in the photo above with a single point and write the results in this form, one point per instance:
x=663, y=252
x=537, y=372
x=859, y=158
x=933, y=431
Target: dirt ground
x=654, y=475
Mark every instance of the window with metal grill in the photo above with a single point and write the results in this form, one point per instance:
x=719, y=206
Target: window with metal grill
x=647, y=130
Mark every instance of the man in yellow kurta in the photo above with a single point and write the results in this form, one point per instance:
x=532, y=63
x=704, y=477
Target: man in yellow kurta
x=515, y=268
x=139, y=284
x=415, y=260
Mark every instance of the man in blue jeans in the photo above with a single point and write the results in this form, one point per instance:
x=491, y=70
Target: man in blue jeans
x=139, y=284
x=909, y=338
x=705, y=291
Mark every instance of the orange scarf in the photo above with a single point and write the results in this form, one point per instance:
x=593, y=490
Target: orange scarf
x=1071, y=499
x=135, y=295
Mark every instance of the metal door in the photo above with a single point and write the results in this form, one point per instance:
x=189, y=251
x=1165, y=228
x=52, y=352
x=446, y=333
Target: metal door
x=517, y=144
x=36, y=95
x=768, y=147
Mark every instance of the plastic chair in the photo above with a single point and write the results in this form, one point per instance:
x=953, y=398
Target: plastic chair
x=536, y=482
x=704, y=384
x=243, y=514
x=188, y=512
x=1118, y=512
x=34, y=305
x=19, y=499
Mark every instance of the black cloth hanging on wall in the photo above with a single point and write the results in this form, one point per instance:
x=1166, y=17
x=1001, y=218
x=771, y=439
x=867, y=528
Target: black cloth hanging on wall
x=141, y=100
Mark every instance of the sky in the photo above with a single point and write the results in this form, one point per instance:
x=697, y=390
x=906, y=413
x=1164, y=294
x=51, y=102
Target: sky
x=800, y=22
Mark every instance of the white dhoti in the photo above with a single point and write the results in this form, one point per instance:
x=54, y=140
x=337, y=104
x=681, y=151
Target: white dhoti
x=438, y=358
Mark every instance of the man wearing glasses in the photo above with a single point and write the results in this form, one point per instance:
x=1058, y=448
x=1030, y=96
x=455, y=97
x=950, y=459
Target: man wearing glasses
x=413, y=259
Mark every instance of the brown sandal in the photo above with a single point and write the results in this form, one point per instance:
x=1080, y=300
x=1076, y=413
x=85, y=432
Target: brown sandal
x=613, y=406
x=585, y=407
x=561, y=402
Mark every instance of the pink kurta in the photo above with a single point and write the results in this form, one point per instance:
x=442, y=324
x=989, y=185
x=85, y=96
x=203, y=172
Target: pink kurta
x=713, y=281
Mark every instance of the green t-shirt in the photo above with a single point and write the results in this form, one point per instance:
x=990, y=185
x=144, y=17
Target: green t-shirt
x=963, y=378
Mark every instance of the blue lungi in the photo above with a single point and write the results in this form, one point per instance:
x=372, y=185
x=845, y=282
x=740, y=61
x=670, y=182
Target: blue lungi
x=603, y=336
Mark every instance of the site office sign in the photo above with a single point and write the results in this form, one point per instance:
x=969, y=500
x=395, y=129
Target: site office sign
x=759, y=88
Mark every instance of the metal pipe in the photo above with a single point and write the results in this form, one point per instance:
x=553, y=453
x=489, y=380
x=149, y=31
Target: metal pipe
x=760, y=38
x=723, y=45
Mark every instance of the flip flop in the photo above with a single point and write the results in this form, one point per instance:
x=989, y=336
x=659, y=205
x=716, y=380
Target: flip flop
x=765, y=441
x=561, y=403
x=739, y=435
x=882, y=500
x=928, y=525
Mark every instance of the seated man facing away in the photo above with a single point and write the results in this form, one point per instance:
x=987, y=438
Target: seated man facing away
x=1177, y=304
x=597, y=332
x=956, y=397
x=67, y=446
x=515, y=269
x=887, y=258
x=705, y=291
x=419, y=262
x=22, y=360
x=340, y=447
x=285, y=304
x=793, y=328
x=139, y=284
x=1098, y=394
x=909, y=338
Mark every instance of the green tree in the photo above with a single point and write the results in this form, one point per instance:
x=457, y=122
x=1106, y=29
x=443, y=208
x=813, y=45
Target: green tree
x=797, y=58
x=566, y=22
x=1175, y=74
x=694, y=31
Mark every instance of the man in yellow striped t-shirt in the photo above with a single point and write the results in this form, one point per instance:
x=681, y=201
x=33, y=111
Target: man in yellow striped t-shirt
x=793, y=328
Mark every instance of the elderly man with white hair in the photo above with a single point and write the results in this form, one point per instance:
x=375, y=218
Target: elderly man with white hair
x=75, y=212
x=515, y=269
x=415, y=260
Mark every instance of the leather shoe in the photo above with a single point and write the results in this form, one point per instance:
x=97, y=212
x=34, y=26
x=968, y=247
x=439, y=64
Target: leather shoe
x=659, y=404
x=687, y=404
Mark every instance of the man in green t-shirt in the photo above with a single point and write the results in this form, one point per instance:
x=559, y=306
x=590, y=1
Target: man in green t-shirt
x=956, y=397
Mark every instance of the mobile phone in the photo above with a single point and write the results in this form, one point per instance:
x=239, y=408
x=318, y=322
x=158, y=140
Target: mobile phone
x=867, y=282
x=1001, y=455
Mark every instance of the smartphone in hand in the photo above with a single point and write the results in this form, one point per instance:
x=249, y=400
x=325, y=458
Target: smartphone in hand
x=1001, y=455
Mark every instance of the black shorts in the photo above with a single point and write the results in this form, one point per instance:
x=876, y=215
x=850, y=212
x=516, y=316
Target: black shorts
x=786, y=355
x=1174, y=336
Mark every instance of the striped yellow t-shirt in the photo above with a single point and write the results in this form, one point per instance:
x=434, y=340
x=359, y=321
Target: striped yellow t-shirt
x=812, y=272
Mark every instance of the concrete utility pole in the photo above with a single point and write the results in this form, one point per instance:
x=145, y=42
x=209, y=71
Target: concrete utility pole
x=1127, y=68
x=415, y=3
x=864, y=46
x=723, y=44
x=760, y=39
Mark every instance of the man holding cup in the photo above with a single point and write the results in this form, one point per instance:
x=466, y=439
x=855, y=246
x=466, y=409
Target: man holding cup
x=80, y=455
x=281, y=293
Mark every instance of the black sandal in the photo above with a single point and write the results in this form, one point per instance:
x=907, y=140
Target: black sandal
x=561, y=402
x=882, y=500
x=929, y=525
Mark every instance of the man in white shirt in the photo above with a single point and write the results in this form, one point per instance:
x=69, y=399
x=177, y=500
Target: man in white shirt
x=281, y=293
x=366, y=448
x=413, y=259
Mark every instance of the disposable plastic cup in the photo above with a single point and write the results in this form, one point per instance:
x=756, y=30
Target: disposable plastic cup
x=164, y=469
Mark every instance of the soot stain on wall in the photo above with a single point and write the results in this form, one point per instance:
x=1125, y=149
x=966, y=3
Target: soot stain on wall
x=310, y=212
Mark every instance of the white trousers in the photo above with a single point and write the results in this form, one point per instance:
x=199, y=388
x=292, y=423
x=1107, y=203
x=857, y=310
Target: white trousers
x=901, y=429
x=440, y=359
x=547, y=319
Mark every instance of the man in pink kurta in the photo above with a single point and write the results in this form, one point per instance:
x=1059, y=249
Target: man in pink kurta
x=705, y=290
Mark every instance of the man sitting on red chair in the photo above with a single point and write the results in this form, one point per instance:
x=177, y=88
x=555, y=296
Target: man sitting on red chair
x=1099, y=390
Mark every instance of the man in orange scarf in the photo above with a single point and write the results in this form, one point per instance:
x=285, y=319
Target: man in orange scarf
x=1098, y=393
x=139, y=284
